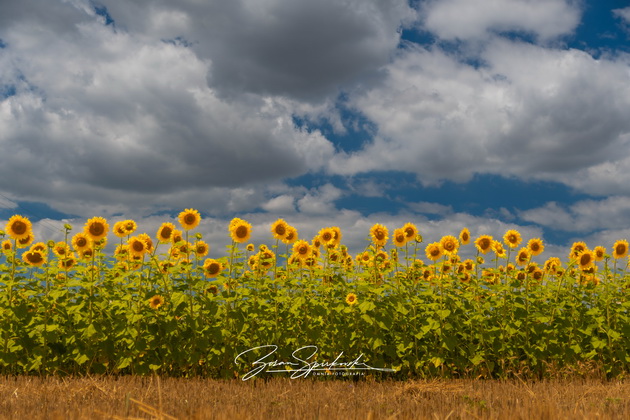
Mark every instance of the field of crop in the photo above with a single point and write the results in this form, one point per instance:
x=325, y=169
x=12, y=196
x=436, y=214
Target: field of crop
x=130, y=397
x=400, y=309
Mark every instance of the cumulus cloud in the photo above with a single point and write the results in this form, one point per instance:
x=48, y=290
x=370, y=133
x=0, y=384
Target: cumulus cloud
x=528, y=111
x=476, y=19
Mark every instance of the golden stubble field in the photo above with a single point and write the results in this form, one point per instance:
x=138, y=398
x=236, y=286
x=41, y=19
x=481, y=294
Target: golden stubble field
x=129, y=397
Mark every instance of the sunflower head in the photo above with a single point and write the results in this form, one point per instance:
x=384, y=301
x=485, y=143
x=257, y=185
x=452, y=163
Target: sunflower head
x=434, y=251
x=189, y=219
x=240, y=230
x=7, y=245
x=410, y=231
x=291, y=236
x=137, y=247
x=620, y=249
x=156, y=301
x=464, y=236
x=18, y=227
x=34, y=258
x=96, y=228
x=351, y=299
x=586, y=259
x=379, y=234
x=399, y=238
x=535, y=246
x=484, y=243
x=119, y=229
x=512, y=238
x=165, y=232
x=81, y=241
x=599, y=253
x=449, y=244
x=279, y=229
x=212, y=267
x=523, y=256
x=201, y=249
x=576, y=248
x=302, y=249
x=327, y=236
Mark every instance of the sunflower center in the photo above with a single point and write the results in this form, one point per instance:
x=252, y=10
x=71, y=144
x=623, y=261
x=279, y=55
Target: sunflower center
x=620, y=249
x=81, y=242
x=241, y=231
x=19, y=227
x=97, y=229
x=34, y=257
x=585, y=259
x=281, y=230
x=190, y=219
x=138, y=246
x=379, y=234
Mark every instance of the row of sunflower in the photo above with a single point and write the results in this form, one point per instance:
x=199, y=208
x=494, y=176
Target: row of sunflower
x=175, y=311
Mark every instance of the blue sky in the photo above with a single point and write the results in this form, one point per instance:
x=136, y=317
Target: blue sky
x=446, y=113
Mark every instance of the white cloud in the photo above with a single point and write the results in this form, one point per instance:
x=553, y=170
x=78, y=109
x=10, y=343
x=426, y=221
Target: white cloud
x=528, y=111
x=475, y=19
x=623, y=14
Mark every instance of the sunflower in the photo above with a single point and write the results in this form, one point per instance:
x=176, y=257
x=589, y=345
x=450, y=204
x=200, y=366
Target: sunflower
x=410, y=231
x=156, y=301
x=7, y=245
x=250, y=247
x=34, y=258
x=146, y=238
x=18, y=227
x=165, y=232
x=120, y=229
x=201, y=249
x=620, y=249
x=512, y=238
x=189, y=219
x=434, y=251
x=498, y=249
x=351, y=299
x=535, y=246
x=599, y=252
x=266, y=258
x=96, y=228
x=67, y=263
x=81, y=241
x=586, y=260
x=39, y=246
x=291, y=236
x=121, y=251
x=176, y=236
x=523, y=256
x=212, y=267
x=576, y=248
x=279, y=229
x=399, y=238
x=537, y=274
x=379, y=234
x=240, y=230
x=337, y=235
x=464, y=236
x=552, y=264
x=137, y=247
x=484, y=243
x=449, y=244
x=327, y=236
x=26, y=241
x=130, y=226
x=302, y=249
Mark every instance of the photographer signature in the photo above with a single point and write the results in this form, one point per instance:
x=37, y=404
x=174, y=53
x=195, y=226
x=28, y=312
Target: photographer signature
x=302, y=364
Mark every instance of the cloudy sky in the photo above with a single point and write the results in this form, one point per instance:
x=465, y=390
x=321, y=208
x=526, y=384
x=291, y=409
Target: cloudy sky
x=446, y=113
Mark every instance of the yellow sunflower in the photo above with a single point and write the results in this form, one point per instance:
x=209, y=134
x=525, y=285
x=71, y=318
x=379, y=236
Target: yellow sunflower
x=279, y=229
x=620, y=249
x=26, y=241
x=586, y=260
x=484, y=243
x=599, y=252
x=351, y=299
x=498, y=249
x=7, y=245
x=512, y=238
x=189, y=219
x=156, y=301
x=96, y=228
x=18, y=227
x=464, y=236
x=67, y=263
x=576, y=248
x=535, y=246
x=240, y=230
x=433, y=251
x=302, y=249
x=176, y=236
x=212, y=267
x=449, y=244
x=379, y=234
x=337, y=235
x=130, y=226
x=34, y=258
x=523, y=256
x=201, y=249
x=147, y=239
x=552, y=265
x=327, y=236
x=81, y=241
x=137, y=247
x=399, y=238
x=165, y=232
x=291, y=236
x=410, y=231
x=120, y=229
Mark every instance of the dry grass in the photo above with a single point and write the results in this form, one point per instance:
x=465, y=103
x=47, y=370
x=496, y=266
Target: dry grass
x=131, y=397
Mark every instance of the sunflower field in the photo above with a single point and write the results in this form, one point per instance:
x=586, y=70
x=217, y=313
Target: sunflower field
x=157, y=303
